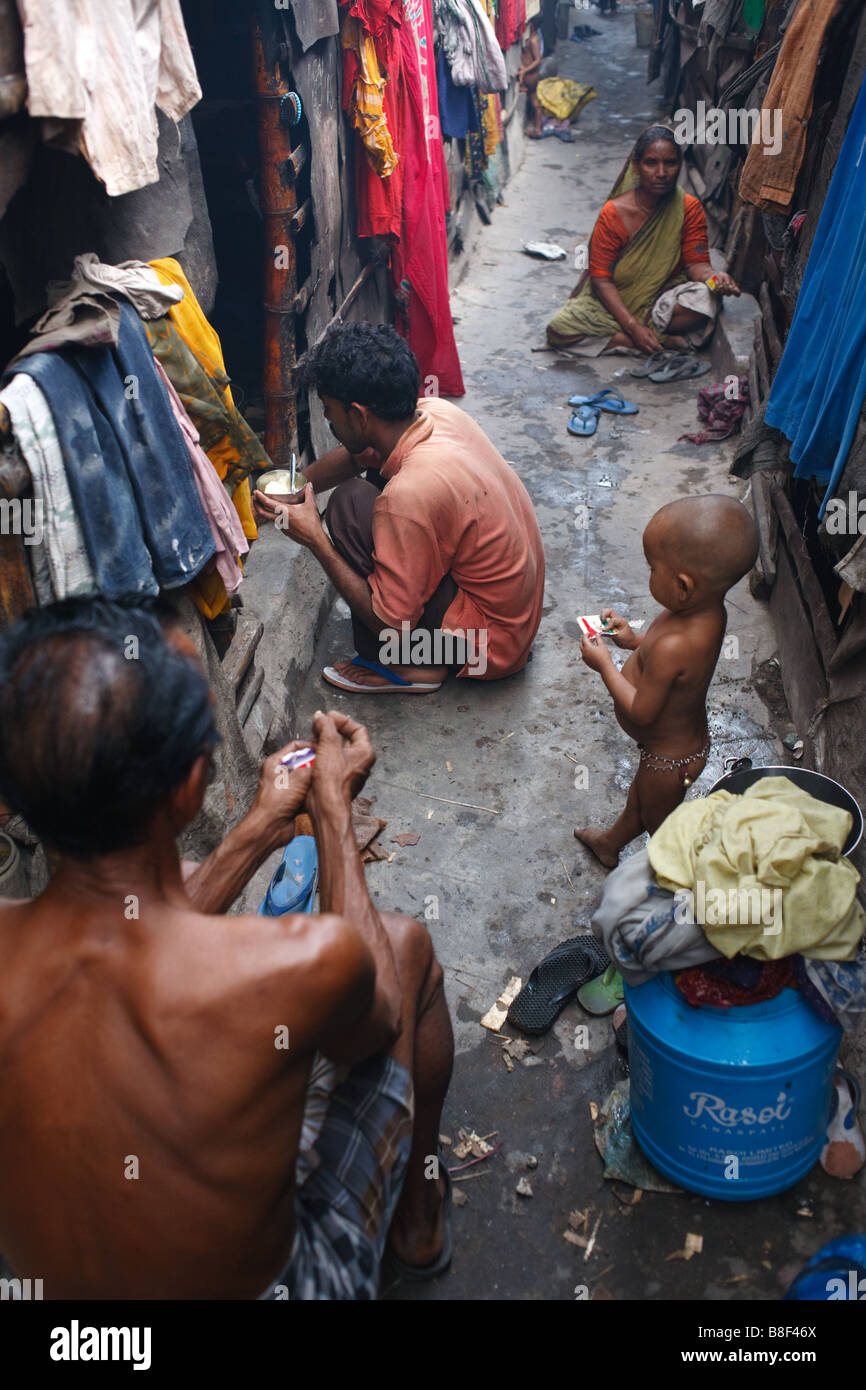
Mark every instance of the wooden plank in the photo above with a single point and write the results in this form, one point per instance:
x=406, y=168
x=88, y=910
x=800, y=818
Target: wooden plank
x=761, y=367
x=802, y=674
x=250, y=695
x=774, y=342
x=767, y=524
x=822, y=627
x=755, y=396
x=16, y=588
x=237, y=659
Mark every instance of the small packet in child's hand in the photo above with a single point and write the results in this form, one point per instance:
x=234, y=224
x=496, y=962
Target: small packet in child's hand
x=593, y=626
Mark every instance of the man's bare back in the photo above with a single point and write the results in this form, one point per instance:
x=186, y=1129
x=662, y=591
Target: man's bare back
x=149, y=1111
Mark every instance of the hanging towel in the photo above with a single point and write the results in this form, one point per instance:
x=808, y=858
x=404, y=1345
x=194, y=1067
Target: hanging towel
x=198, y=333
x=62, y=545
x=226, y=529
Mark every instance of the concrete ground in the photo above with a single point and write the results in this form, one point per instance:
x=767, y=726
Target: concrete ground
x=502, y=885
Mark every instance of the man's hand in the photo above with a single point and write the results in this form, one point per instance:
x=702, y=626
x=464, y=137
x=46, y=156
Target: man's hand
x=300, y=521
x=344, y=757
x=594, y=653
x=619, y=629
x=282, y=794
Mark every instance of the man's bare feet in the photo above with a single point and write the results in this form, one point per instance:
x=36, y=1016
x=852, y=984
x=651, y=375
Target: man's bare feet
x=422, y=1242
x=596, y=841
x=363, y=676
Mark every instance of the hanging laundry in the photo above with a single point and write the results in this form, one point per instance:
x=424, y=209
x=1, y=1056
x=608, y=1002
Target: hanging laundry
x=127, y=465
x=820, y=383
x=470, y=45
x=232, y=447
x=224, y=522
x=105, y=70
x=510, y=22
x=458, y=113
x=135, y=280
x=420, y=259
x=82, y=317
x=364, y=96
x=62, y=546
x=197, y=332
x=770, y=171
x=380, y=200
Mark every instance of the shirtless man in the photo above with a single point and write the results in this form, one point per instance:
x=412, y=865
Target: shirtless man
x=697, y=548
x=156, y=1056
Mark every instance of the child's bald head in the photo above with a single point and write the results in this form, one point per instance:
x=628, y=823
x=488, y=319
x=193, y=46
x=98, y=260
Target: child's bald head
x=711, y=538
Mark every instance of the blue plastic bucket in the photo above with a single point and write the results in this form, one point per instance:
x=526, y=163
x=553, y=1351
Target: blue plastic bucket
x=729, y=1103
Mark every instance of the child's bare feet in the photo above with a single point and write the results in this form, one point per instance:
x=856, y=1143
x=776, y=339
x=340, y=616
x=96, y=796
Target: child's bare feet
x=597, y=842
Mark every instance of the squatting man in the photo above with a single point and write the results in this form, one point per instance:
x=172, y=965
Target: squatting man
x=160, y=1140
x=437, y=549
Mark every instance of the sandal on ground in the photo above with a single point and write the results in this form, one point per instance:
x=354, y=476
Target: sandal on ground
x=620, y=1028
x=601, y=996
x=584, y=421
x=681, y=367
x=555, y=981
x=396, y=684
x=422, y=1274
x=653, y=362
x=844, y=1151
x=606, y=400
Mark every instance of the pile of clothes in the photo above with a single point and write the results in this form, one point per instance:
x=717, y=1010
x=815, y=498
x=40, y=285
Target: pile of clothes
x=741, y=897
x=122, y=411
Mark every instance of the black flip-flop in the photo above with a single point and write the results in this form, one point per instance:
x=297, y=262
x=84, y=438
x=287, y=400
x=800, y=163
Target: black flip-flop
x=422, y=1274
x=555, y=981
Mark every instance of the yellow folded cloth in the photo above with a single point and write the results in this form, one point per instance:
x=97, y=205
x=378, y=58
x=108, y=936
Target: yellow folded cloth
x=561, y=97
x=777, y=846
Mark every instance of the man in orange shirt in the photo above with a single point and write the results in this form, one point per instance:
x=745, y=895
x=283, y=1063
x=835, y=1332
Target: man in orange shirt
x=437, y=551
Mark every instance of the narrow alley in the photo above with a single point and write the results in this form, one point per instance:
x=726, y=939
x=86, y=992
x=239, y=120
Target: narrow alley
x=509, y=882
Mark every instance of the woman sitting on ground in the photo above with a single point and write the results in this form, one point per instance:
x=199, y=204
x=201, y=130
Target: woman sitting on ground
x=649, y=262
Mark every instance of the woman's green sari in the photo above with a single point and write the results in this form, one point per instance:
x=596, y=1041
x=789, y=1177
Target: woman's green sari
x=644, y=269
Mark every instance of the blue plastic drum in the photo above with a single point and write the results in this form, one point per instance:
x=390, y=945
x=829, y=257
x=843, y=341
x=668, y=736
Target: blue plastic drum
x=729, y=1103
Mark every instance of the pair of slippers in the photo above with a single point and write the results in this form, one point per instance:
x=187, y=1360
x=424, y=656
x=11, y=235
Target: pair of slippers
x=669, y=365
x=587, y=410
x=396, y=685
x=578, y=967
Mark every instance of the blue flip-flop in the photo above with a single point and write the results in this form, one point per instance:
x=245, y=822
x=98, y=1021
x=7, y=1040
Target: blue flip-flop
x=584, y=420
x=396, y=684
x=607, y=400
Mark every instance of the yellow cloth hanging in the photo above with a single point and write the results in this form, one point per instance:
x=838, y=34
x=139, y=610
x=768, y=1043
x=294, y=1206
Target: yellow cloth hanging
x=207, y=590
x=366, y=106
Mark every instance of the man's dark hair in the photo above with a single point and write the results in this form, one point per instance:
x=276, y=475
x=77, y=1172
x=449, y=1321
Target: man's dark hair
x=368, y=363
x=100, y=719
x=649, y=137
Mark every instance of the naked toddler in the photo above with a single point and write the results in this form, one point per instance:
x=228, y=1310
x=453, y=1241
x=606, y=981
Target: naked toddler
x=697, y=548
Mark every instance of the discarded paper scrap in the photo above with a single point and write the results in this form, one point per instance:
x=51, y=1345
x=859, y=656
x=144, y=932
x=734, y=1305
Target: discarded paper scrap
x=498, y=1012
x=693, y=1246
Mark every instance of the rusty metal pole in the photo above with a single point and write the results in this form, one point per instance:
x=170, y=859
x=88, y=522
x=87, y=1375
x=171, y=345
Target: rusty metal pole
x=279, y=206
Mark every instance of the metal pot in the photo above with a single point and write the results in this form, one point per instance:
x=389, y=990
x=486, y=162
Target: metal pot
x=742, y=775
